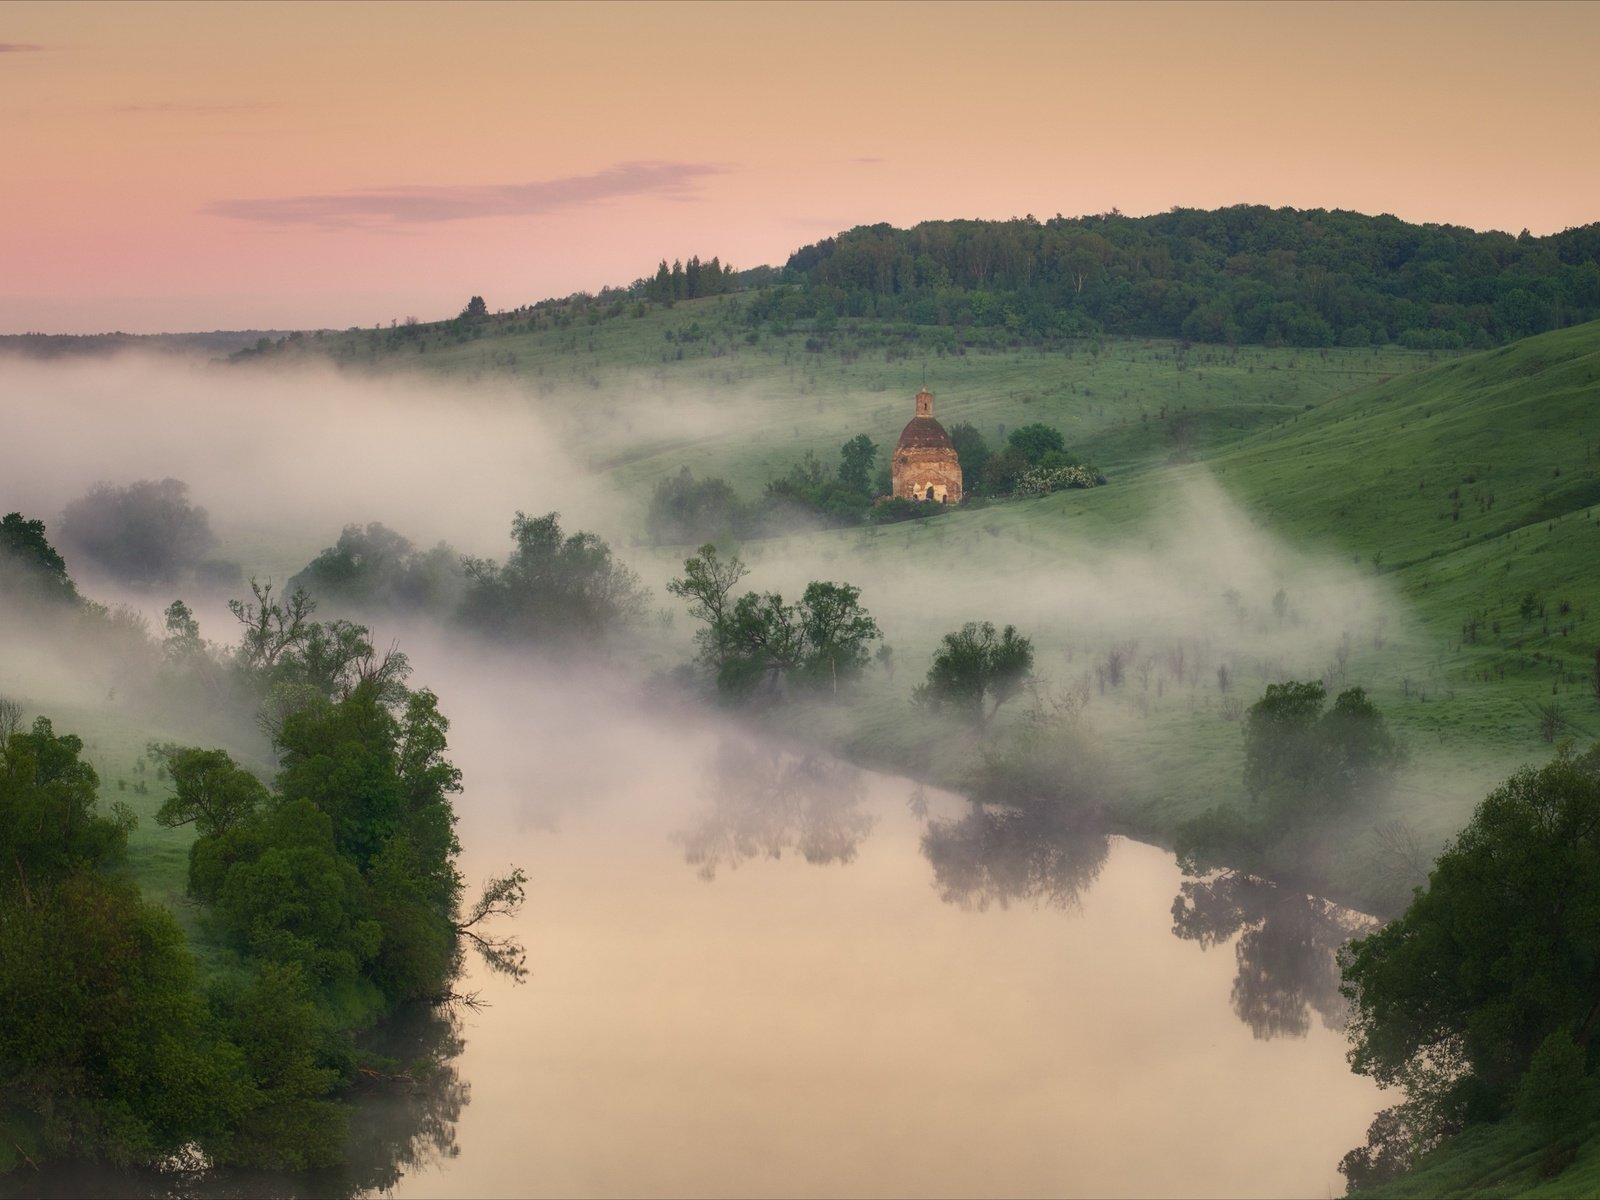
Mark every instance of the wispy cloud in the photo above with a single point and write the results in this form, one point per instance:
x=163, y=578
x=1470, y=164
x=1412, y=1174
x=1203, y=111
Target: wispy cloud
x=419, y=204
x=19, y=47
x=185, y=108
x=868, y=160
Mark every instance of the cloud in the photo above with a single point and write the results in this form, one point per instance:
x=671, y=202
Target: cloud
x=198, y=110
x=19, y=47
x=415, y=204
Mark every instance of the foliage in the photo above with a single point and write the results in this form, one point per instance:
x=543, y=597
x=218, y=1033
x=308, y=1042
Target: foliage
x=1300, y=758
x=855, y=463
x=707, y=583
x=48, y=824
x=553, y=587
x=684, y=509
x=759, y=642
x=1303, y=766
x=974, y=665
x=971, y=450
x=1247, y=273
x=1455, y=999
x=1042, y=481
x=1034, y=441
x=28, y=562
x=104, y=1045
x=809, y=489
x=146, y=532
x=209, y=790
x=375, y=567
x=688, y=282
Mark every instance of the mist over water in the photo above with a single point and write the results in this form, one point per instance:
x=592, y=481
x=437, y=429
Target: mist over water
x=754, y=969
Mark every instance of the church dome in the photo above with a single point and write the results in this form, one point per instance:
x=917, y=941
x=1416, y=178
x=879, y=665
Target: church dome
x=922, y=432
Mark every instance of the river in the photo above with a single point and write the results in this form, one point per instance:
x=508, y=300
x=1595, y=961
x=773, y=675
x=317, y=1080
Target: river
x=759, y=972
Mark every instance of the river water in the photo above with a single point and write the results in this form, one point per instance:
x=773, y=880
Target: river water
x=753, y=971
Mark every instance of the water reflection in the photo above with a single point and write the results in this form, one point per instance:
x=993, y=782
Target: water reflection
x=403, y=1123
x=1286, y=954
x=1002, y=855
x=764, y=801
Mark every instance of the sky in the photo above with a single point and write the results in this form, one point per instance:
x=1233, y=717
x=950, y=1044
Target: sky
x=178, y=166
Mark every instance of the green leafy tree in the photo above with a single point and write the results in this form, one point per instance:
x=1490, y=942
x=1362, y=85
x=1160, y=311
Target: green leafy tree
x=28, y=560
x=1297, y=756
x=375, y=567
x=707, y=584
x=972, y=451
x=553, y=587
x=1034, y=441
x=1454, y=1000
x=210, y=791
x=758, y=640
x=48, y=823
x=855, y=463
x=974, y=666
x=103, y=1039
x=105, y=1046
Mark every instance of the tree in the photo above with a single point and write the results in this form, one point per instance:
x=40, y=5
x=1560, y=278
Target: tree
x=144, y=533
x=103, y=1047
x=974, y=665
x=554, y=586
x=1297, y=756
x=1454, y=999
x=1036, y=440
x=855, y=463
x=210, y=791
x=48, y=823
x=684, y=509
x=375, y=567
x=758, y=639
x=475, y=309
x=834, y=633
x=26, y=555
x=971, y=450
x=707, y=582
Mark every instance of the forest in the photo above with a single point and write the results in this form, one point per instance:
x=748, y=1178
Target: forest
x=1247, y=274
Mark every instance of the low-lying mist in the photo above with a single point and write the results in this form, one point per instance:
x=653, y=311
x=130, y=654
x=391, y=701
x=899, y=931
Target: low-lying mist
x=1189, y=604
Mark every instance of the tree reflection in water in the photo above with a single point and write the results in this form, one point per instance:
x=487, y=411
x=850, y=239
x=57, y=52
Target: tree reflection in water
x=764, y=801
x=403, y=1121
x=1001, y=855
x=1287, y=953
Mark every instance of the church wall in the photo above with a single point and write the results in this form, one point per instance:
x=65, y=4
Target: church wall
x=916, y=469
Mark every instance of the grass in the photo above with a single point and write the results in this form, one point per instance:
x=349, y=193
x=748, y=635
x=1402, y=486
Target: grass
x=1499, y=1160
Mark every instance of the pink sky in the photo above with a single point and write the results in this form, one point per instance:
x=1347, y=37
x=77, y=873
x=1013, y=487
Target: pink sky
x=188, y=166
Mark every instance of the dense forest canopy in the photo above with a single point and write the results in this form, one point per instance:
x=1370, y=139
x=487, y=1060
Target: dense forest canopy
x=1241, y=274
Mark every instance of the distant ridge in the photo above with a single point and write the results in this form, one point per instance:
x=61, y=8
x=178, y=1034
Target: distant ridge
x=63, y=345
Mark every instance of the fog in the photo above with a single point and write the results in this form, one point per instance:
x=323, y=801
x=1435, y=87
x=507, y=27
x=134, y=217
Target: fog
x=755, y=969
